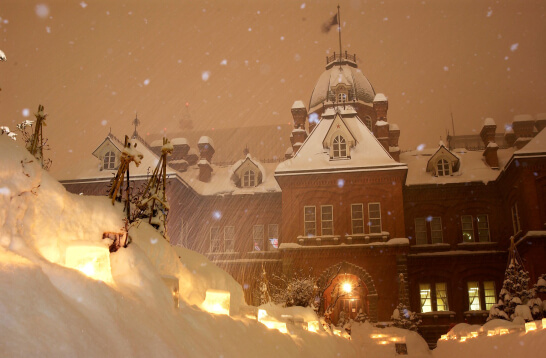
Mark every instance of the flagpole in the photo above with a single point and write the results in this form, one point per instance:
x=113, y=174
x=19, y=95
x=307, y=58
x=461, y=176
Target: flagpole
x=339, y=30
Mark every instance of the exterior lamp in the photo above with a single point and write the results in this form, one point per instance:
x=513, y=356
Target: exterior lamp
x=217, y=302
x=347, y=287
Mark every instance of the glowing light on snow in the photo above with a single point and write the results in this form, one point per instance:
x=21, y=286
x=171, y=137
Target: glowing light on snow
x=514, y=47
x=217, y=302
x=104, y=122
x=224, y=62
x=444, y=337
x=280, y=326
x=217, y=215
x=205, y=75
x=544, y=323
x=341, y=183
x=530, y=326
x=42, y=10
x=420, y=147
x=83, y=4
x=337, y=332
x=25, y=112
x=463, y=339
x=282, y=38
x=146, y=82
x=90, y=259
x=489, y=12
x=5, y=191
x=313, y=326
x=473, y=334
x=503, y=331
x=491, y=333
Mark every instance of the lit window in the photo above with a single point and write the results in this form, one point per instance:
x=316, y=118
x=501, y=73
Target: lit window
x=515, y=219
x=436, y=230
x=341, y=97
x=109, y=161
x=273, y=230
x=249, y=179
x=468, y=228
x=433, y=297
x=481, y=295
x=258, y=237
x=374, y=213
x=229, y=238
x=327, y=220
x=310, y=228
x=340, y=147
x=421, y=231
x=483, y=228
x=443, y=168
x=357, y=218
x=215, y=240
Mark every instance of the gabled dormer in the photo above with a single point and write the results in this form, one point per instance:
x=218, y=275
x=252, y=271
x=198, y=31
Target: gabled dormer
x=339, y=140
x=443, y=162
x=247, y=173
x=108, y=153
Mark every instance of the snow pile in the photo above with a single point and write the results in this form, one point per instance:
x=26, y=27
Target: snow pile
x=50, y=310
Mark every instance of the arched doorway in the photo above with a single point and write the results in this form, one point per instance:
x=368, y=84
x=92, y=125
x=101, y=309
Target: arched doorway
x=349, y=288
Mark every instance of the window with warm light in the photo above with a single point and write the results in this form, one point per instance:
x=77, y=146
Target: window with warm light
x=327, y=219
x=433, y=297
x=426, y=302
x=249, y=179
x=473, y=296
x=109, y=161
x=310, y=227
x=468, y=228
x=443, y=168
x=489, y=294
x=273, y=231
x=481, y=295
x=229, y=238
x=339, y=147
x=258, y=237
x=374, y=213
x=357, y=218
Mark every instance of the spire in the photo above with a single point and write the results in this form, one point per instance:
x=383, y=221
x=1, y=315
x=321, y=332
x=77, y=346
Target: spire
x=136, y=123
x=339, y=31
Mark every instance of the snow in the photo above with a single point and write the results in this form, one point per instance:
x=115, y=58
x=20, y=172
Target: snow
x=380, y=97
x=179, y=141
x=206, y=140
x=537, y=145
x=489, y=122
x=492, y=145
x=298, y=104
x=393, y=127
x=523, y=118
x=381, y=123
x=541, y=116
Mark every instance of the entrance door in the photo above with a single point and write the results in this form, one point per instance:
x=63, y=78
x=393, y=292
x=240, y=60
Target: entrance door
x=351, y=306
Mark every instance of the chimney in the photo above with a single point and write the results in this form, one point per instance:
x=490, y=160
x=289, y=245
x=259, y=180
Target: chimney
x=206, y=148
x=541, y=122
x=523, y=125
x=382, y=133
x=488, y=131
x=205, y=170
x=490, y=154
x=298, y=135
x=181, y=148
x=509, y=137
x=299, y=113
x=380, y=106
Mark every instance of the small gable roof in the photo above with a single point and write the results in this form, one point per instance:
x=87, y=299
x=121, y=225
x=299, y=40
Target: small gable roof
x=445, y=153
x=338, y=126
x=107, y=145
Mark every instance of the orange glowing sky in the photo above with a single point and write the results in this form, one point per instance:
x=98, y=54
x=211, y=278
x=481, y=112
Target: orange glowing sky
x=93, y=64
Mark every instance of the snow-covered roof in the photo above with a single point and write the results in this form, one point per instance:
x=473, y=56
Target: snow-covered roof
x=472, y=167
x=341, y=74
x=541, y=116
x=393, y=127
x=206, y=140
x=254, y=161
x=312, y=157
x=537, y=145
x=298, y=104
x=489, y=122
x=523, y=118
x=380, y=97
x=179, y=141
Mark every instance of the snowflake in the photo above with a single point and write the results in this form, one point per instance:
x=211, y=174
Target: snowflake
x=83, y=4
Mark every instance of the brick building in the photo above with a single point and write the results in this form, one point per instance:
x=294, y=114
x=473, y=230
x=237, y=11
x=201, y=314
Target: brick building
x=347, y=206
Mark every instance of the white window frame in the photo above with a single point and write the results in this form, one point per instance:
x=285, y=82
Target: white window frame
x=256, y=238
x=229, y=239
x=436, y=235
x=249, y=179
x=443, y=167
x=109, y=161
x=270, y=232
x=483, y=228
x=215, y=239
x=425, y=295
x=339, y=146
x=473, y=286
x=515, y=219
x=372, y=229
x=306, y=231
x=421, y=237
x=342, y=97
x=357, y=220
x=324, y=230
x=468, y=230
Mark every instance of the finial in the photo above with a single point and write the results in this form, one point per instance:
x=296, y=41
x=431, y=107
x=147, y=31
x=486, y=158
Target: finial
x=136, y=123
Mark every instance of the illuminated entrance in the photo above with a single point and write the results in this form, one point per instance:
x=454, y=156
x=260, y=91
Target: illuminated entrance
x=349, y=289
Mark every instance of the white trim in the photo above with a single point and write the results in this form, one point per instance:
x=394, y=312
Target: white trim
x=219, y=240
x=314, y=220
x=226, y=240
x=370, y=218
x=256, y=238
x=361, y=219
x=322, y=221
x=471, y=230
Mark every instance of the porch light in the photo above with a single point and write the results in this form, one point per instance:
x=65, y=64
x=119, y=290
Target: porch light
x=217, y=302
x=91, y=259
x=530, y=326
x=347, y=287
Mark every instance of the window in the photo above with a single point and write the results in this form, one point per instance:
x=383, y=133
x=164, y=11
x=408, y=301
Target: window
x=481, y=295
x=215, y=240
x=340, y=147
x=258, y=237
x=109, y=161
x=341, y=97
x=374, y=213
x=442, y=168
x=483, y=228
x=421, y=230
x=368, y=122
x=515, y=219
x=229, y=238
x=273, y=230
x=327, y=219
x=433, y=297
x=468, y=228
x=310, y=228
x=249, y=179
x=357, y=218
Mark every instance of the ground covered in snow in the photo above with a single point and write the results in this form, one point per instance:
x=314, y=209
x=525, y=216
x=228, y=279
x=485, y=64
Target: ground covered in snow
x=48, y=309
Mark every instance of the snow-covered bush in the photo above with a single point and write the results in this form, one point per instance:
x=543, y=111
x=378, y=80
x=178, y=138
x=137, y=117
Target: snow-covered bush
x=297, y=290
x=402, y=317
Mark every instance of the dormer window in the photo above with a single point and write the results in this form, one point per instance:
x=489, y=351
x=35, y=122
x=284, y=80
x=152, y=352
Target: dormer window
x=249, y=179
x=342, y=97
x=443, y=168
x=340, y=147
x=109, y=161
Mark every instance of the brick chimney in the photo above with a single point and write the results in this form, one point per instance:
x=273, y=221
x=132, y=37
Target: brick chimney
x=382, y=133
x=488, y=131
x=509, y=137
x=490, y=155
x=380, y=106
x=181, y=148
x=523, y=125
x=205, y=170
x=299, y=114
x=206, y=148
x=394, y=135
